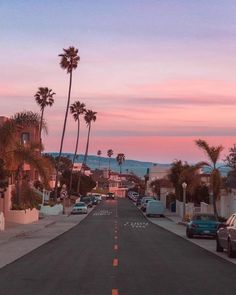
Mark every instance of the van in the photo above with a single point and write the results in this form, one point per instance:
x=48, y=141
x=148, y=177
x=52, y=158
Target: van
x=144, y=202
x=155, y=207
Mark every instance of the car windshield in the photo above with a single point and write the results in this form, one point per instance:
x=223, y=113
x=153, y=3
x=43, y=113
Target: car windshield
x=81, y=204
x=204, y=217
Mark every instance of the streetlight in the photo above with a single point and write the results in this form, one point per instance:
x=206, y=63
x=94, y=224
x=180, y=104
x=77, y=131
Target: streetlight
x=184, y=186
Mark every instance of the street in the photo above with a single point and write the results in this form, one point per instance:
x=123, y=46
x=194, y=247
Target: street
x=117, y=251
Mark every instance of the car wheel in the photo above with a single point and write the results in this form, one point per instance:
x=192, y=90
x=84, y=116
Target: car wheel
x=189, y=233
x=148, y=215
x=230, y=251
x=218, y=246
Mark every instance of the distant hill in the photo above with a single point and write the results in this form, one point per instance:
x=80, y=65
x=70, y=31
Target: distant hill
x=137, y=167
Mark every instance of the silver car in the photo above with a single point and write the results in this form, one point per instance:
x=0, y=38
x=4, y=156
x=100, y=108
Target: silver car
x=226, y=236
x=79, y=208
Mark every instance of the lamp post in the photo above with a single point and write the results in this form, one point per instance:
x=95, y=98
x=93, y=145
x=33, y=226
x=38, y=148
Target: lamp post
x=184, y=186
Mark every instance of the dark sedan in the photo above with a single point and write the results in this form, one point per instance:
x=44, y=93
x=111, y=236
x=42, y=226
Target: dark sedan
x=226, y=236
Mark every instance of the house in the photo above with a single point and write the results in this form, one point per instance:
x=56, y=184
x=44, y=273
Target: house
x=156, y=172
x=23, y=136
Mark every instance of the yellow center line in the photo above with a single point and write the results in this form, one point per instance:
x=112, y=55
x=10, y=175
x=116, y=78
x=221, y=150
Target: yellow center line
x=115, y=262
x=114, y=292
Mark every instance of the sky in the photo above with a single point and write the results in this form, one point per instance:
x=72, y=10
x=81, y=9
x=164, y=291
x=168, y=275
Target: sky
x=159, y=73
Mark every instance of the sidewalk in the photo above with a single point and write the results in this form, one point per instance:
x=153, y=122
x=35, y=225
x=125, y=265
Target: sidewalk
x=173, y=223
x=18, y=240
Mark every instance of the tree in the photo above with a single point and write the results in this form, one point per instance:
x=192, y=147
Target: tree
x=89, y=117
x=44, y=98
x=10, y=132
x=230, y=159
x=15, y=153
x=109, y=154
x=177, y=168
x=28, y=154
x=120, y=158
x=69, y=62
x=76, y=109
x=99, y=152
x=213, y=154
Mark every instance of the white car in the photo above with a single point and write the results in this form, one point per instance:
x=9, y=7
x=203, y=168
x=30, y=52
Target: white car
x=79, y=208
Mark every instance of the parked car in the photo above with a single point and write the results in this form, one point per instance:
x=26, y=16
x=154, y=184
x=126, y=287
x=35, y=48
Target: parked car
x=144, y=202
x=154, y=208
x=87, y=200
x=202, y=224
x=139, y=200
x=79, y=208
x=110, y=196
x=226, y=236
x=133, y=195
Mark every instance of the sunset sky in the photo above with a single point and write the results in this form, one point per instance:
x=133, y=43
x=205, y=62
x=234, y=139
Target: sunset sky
x=159, y=73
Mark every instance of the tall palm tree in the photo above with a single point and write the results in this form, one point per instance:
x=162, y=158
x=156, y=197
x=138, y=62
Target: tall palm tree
x=109, y=154
x=69, y=62
x=213, y=154
x=44, y=98
x=76, y=109
x=89, y=117
x=99, y=152
x=120, y=158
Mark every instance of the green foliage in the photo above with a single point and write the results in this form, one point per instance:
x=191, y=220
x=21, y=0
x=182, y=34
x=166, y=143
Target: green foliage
x=3, y=175
x=29, y=198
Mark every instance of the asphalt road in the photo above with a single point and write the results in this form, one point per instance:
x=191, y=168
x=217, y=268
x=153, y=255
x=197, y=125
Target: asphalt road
x=116, y=251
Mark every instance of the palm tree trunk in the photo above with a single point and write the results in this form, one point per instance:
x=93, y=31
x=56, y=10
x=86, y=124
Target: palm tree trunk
x=73, y=161
x=85, y=158
x=87, y=145
x=40, y=129
x=62, y=137
x=109, y=169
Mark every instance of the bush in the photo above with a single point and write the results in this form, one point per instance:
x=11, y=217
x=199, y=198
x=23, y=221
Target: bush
x=28, y=198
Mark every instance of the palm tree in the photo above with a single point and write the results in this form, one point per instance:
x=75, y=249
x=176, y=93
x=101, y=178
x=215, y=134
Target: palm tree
x=109, y=154
x=44, y=98
x=28, y=154
x=76, y=109
x=89, y=117
x=14, y=153
x=213, y=153
x=120, y=158
x=69, y=62
x=99, y=152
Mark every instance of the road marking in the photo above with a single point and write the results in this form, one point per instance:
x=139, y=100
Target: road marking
x=115, y=231
x=102, y=213
x=116, y=237
x=115, y=247
x=136, y=225
x=114, y=292
x=115, y=262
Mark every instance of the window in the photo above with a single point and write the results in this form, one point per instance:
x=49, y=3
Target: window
x=25, y=137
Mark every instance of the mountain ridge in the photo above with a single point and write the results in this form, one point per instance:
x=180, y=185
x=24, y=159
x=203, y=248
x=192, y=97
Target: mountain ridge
x=130, y=166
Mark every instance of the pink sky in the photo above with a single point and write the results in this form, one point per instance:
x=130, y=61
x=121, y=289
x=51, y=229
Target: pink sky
x=159, y=74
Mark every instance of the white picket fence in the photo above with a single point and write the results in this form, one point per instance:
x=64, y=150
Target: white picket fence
x=225, y=206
